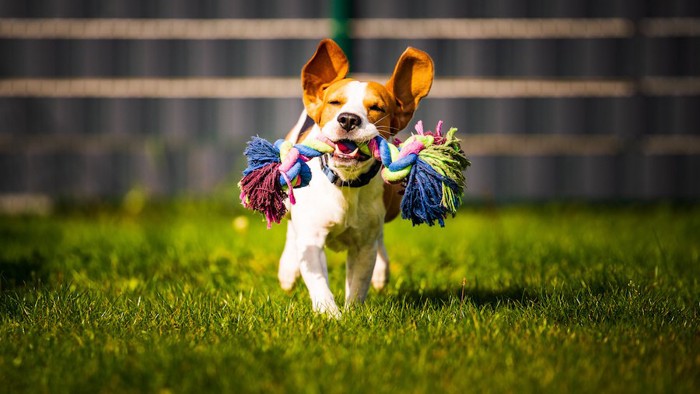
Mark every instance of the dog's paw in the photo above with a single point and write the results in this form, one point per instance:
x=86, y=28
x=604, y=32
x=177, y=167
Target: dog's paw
x=379, y=283
x=380, y=276
x=327, y=308
x=287, y=281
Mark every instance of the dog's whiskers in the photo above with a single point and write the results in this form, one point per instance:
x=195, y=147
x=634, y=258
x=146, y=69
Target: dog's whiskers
x=388, y=129
x=380, y=119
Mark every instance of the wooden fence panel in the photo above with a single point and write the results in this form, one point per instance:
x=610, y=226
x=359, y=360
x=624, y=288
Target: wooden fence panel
x=554, y=99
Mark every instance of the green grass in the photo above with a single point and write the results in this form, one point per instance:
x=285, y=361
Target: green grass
x=559, y=298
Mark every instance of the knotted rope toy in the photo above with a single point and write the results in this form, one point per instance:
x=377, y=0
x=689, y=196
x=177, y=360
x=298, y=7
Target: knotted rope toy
x=429, y=164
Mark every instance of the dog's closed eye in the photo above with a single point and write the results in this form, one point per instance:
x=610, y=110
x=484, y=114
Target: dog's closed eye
x=377, y=108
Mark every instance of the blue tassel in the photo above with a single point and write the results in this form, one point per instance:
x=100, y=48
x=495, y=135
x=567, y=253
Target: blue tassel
x=422, y=200
x=260, y=153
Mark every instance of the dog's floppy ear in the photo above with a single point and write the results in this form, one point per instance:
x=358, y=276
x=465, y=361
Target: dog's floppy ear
x=411, y=81
x=328, y=65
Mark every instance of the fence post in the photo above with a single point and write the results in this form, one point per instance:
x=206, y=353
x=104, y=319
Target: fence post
x=341, y=11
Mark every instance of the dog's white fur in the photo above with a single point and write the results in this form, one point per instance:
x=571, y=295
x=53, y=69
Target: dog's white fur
x=345, y=218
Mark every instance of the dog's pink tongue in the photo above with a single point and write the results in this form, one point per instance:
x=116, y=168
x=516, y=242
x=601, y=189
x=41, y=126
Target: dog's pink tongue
x=346, y=146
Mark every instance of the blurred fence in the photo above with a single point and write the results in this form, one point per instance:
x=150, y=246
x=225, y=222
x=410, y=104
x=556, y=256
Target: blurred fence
x=554, y=99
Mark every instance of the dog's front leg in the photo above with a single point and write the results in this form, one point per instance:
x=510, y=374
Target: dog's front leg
x=314, y=271
x=289, y=262
x=359, y=268
x=380, y=276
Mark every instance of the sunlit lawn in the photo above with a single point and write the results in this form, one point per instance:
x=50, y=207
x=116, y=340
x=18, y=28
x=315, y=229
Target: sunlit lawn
x=183, y=297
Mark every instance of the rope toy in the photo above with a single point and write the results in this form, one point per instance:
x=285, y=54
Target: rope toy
x=429, y=164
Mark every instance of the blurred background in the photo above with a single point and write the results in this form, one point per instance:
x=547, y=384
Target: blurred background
x=554, y=99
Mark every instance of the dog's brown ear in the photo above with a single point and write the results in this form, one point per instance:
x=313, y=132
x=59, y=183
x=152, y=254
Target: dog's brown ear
x=328, y=65
x=411, y=81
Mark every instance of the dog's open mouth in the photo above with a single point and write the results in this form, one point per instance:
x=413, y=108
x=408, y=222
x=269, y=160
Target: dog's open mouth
x=346, y=151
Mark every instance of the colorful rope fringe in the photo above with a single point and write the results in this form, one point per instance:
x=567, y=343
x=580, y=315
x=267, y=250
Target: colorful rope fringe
x=429, y=163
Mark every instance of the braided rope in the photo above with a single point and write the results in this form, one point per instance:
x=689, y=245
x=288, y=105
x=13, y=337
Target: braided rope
x=397, y=159
x=432, y=191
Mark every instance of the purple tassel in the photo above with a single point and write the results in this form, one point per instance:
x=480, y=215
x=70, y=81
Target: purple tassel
x=261, y=190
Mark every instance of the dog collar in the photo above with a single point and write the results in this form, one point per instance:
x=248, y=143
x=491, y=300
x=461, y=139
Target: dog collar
x=362, y=180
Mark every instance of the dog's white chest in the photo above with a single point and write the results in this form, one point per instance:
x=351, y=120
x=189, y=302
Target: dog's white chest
x=348, y=215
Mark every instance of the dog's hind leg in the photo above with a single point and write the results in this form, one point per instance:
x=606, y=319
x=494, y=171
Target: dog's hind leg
x=380, y=275
x=359, y=267
x=289, y=262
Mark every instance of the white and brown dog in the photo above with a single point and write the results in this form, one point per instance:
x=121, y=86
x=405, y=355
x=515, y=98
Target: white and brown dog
x=345, y=205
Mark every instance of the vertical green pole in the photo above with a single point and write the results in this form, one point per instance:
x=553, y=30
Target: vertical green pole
x=341, y=11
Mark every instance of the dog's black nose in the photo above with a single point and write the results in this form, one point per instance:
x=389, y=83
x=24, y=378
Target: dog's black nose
x=349, y=121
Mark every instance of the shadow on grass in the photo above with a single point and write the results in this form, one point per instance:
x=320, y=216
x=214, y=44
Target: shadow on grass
x=21, y=272
x=27, y=247
x=476, y=296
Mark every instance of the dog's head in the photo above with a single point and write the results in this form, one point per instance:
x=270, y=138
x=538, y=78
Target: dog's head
x=350, y=112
